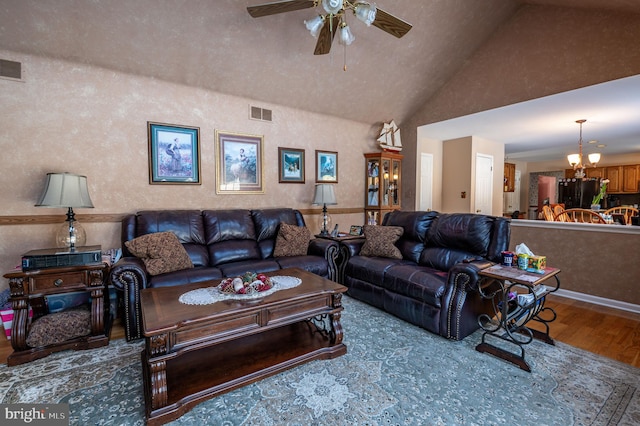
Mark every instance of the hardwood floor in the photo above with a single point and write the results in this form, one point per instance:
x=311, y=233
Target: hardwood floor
x=604, y=331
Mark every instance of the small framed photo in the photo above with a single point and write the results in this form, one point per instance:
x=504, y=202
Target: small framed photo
x=291, y=165
x=355, y=230
x=239, y=163
x=326, y=166
x=174, y=154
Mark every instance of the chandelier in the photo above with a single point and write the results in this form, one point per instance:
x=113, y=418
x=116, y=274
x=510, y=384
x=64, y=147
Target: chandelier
x=335, y=12
x=575, y=160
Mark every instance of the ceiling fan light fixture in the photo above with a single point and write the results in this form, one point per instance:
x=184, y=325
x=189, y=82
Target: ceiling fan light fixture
x=315, y=25
x=365, y=12
x=346, y=36
x=332, y=6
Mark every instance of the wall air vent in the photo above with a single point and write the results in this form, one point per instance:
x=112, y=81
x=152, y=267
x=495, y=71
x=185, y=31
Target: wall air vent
x=10, y=70
x=262, y=114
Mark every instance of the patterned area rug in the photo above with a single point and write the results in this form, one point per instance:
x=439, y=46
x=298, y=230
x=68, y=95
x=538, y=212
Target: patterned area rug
x=393, y=374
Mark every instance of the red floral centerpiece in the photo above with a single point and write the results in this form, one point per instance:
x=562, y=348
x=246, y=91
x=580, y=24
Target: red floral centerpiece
x=247, y=283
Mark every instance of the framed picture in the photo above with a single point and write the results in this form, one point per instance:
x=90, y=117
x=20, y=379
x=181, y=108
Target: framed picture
x=355, y=230
x=174, y=154
x=239, y=163
x=291, y=165
x=326, y=166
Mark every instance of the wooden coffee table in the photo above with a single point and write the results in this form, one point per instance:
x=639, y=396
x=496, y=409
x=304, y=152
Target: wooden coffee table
x=195, y=352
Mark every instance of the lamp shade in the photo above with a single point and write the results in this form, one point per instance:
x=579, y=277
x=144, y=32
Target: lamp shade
x=324, y=194
x=65, y=190
x=594, y=157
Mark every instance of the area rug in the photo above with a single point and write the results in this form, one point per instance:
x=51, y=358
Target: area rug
x=393, y=374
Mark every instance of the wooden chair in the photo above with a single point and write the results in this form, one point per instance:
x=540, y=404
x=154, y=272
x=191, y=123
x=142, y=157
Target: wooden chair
x=580, y=216
x=628, y=212
x=557, y=209
x=547, y=213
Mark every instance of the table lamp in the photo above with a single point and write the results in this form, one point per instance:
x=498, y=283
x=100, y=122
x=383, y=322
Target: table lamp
x=67, y=190
x=324, y=195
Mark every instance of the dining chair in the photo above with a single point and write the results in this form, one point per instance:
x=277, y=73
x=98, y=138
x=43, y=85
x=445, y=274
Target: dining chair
x=547, y=213
x=628, y=212
x=557, y=209
x=580, y=216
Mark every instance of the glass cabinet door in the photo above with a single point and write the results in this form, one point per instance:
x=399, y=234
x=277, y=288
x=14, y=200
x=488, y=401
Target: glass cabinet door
x=385, y=182
x=373, y=183
x=394, y=187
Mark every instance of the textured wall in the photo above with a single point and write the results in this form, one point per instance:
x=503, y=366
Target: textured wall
x=539, y=52
x=92, y=121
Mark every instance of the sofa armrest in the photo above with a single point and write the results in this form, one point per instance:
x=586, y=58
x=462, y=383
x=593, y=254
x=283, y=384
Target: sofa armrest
x=462, y=299
x=129, y=275
x=328, y=249
x=353, y=246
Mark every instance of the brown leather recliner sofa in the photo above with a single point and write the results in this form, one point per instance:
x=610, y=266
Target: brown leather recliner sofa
x=220, y=243
x=435, y=284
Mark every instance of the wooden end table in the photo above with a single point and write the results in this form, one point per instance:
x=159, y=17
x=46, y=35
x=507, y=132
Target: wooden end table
x=29, y=288
x=195, y=352
x=510, y=315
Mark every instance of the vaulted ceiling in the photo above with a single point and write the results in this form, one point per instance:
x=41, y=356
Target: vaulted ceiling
x=217, y=45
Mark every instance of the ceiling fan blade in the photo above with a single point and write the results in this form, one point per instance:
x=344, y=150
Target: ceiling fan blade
x=389, y=23
x=325, y=38
x=279, y=7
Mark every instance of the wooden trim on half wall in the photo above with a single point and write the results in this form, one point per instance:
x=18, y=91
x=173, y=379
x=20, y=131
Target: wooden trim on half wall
x=47, y=219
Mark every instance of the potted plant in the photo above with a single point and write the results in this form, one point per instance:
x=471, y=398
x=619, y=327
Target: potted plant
x=595, y=203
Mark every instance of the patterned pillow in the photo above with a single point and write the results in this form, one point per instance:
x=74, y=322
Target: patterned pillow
x=161, y=252
x=379, y=241
x=59, y=327
x=292, y=241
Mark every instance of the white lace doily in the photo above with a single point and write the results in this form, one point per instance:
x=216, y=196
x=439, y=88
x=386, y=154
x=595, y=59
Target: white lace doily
x=209, y=295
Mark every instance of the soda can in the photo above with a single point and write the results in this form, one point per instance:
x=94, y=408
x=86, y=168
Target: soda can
x=507, y=258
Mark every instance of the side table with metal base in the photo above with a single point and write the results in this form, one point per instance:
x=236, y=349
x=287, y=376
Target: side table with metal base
x=517, y=297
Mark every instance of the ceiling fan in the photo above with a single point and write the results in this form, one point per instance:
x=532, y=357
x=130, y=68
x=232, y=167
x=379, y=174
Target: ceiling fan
x=325, y=25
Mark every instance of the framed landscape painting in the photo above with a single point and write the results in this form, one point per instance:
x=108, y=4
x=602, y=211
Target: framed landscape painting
x=239, y=163
x=326, y=166
x=291, y=165
x=174, y=154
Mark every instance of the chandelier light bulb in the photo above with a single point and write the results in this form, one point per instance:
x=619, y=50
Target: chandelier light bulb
x=332, y=6
x=594, y=157
x=315, y=25
x=366, y=13
x=346, y=37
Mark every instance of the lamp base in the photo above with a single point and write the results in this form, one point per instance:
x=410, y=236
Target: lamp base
x=71, y=234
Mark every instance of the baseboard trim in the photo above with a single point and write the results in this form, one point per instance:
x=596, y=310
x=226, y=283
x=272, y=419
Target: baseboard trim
x=596, y=300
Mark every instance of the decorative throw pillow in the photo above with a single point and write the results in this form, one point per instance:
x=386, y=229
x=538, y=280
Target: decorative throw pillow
x=59, y=327
x=379, y=241
x=161, y=252
x=292, y=241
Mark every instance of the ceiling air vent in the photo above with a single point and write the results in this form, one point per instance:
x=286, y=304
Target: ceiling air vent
x=10, y=70
x=262, y=114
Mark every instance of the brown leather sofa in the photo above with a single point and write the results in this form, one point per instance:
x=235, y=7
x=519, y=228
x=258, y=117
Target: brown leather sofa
x=435, y=283
x=220, y=243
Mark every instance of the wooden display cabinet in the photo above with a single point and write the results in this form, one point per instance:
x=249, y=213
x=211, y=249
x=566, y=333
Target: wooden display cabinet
x=383, y=171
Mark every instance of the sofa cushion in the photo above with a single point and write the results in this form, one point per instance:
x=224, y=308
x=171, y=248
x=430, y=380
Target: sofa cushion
x=379, y=241
x=161, y=252
x=415, y=225
x=371, y=269
x=443, y=259
x=462, y=231
x=267, y=223
x=418, y=282
x=59, y=327
x=292, y=241
x=231, y=236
